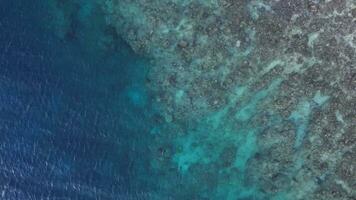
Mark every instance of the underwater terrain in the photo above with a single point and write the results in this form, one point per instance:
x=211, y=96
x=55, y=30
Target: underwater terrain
x=178, y=99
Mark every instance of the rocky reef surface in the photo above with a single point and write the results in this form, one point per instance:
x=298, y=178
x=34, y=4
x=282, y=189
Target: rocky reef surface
x=254, y=99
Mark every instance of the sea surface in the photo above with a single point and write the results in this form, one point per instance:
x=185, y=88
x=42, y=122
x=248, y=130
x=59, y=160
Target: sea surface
x=71, y=113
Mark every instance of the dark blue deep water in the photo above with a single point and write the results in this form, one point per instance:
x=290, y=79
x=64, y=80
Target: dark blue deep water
x=71, y=116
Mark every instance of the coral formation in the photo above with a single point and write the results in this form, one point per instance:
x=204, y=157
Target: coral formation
x=255, y=99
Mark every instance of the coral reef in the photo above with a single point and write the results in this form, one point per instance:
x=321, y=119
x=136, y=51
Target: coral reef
x=258, y=97
x=254, y=99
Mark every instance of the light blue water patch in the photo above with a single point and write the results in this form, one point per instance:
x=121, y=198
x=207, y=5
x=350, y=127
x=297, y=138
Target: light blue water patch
x=247, y=111
x=302, y=114
x=246, y=150
x=320, y=99
x=137, y=96
x=300, y=117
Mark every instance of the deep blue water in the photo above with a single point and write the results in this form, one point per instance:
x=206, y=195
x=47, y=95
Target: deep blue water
x=71, y=120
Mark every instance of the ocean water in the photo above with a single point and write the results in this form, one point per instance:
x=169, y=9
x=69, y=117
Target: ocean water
x=71, y=113
x=177, y=100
